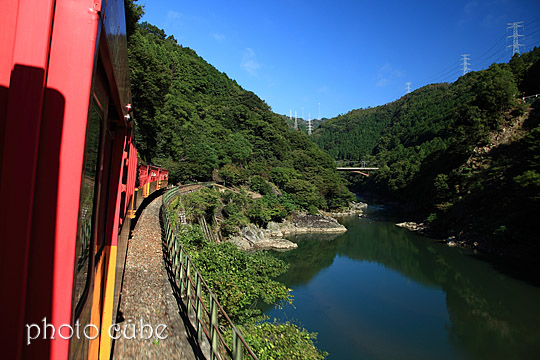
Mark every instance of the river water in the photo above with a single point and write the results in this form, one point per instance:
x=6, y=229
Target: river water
x=382, y=292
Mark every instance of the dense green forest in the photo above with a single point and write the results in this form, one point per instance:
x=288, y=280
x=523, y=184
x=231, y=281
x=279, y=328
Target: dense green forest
x=464, y=156
x=201, y=125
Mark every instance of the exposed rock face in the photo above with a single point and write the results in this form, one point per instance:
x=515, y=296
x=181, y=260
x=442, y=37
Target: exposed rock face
x=253, y=237
x=273, y=230
x=358, y=205
x=304, y=223
x=412, y=226
x=355, y=208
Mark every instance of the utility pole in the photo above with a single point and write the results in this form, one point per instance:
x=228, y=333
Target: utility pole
x=408, y=84
x=466, y=63
x=309, y=128
x=295, y=121
x=515, y=36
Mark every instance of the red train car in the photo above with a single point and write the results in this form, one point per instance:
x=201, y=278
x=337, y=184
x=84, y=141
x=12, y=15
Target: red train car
x=68, y=171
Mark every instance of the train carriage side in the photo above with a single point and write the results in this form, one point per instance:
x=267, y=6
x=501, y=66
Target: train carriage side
x=68, y=173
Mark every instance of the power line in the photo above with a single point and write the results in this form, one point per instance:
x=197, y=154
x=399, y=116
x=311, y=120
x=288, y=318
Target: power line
x=534, y=42
x=533, y=21
x=532, y=33
x=498, y=43
x=439, y=74
x=488, y=59
x=500, y=58
x=453, y=71
x=529, y=28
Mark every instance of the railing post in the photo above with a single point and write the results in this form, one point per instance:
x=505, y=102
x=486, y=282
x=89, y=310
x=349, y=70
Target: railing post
x=188, y=284
x=178, y=258
x=169, y=235
x=181, y=277
x=213, y=329
x=199, y=306
x=237, y=348
x=172, y=254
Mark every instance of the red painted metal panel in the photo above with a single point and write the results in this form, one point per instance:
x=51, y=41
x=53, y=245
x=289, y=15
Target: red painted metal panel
x=22, y=68
x=8, y=19
x=113, y=219
x=132, y=167
x=73, y=45
x=154, y=174
x=164, y=175
x=130, y=185
x=143, y=175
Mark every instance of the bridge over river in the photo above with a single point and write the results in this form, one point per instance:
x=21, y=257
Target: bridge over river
x=359, y=170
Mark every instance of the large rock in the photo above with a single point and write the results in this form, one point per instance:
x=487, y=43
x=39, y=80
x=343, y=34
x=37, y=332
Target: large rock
x=358, y=205
x=304, y=223
x=412, y=226
x=253, y=237
x=355, y=208
x=273, y=230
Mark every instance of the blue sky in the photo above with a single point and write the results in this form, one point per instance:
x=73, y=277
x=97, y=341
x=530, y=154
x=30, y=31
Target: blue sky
x=345, y=55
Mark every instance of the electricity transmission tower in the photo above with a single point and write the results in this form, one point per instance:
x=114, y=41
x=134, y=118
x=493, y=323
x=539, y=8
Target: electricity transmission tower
x=309, y=127
x=290, y=114
x=295, y=121
x=408, y=84
x=515, y=36
x=466, y=63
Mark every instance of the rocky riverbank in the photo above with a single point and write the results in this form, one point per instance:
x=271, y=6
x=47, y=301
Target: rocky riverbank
x=355, y=208
x=452, y=241
x=468, y=238
x=252, y=237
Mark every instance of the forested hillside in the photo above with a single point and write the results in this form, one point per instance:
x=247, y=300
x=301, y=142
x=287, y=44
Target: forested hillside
x=201, y=125
x=463, y=155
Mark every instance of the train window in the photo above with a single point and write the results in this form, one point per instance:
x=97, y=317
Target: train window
x=87, y=205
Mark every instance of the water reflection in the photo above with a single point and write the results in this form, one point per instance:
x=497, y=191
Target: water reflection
x=379, y=291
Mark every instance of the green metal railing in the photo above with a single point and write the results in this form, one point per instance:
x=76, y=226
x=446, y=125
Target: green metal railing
x=200, y=303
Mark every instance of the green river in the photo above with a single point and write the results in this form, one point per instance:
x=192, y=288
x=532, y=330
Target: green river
x=382, y=292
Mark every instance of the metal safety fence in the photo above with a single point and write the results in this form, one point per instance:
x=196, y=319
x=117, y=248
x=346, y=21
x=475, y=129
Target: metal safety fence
x=210, y=319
